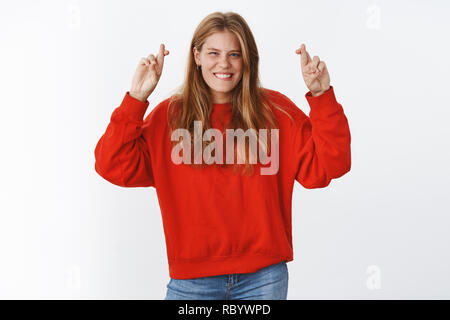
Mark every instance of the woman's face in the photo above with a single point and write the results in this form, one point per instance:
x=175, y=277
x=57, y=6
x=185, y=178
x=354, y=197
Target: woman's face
x=220, y=54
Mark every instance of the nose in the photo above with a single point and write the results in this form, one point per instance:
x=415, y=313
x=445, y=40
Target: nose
x=223, y=62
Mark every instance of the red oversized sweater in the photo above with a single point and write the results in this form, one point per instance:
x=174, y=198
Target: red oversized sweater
x=217, y=221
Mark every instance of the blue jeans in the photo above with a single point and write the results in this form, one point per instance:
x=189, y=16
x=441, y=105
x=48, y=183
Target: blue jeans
x=268, y=283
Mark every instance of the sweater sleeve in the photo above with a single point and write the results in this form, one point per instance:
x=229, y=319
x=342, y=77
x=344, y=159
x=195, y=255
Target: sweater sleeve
x=321, y=142
x=122, y=154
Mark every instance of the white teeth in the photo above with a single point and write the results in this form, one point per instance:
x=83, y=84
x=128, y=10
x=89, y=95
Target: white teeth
x=219, y=75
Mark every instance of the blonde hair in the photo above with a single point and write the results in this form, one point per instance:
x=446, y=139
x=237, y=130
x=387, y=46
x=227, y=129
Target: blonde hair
x=249, y=101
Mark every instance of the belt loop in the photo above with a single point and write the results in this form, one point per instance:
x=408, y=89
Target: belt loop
x=232, y=279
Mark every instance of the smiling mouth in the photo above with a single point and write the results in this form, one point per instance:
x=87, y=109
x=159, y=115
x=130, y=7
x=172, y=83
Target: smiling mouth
x=224, y=78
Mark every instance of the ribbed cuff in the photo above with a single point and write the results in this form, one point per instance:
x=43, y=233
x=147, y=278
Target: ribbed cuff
x=133, y=108
x=324, y=105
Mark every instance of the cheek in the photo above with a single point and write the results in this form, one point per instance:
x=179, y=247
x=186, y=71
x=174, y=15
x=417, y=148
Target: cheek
x=210, y=66
x=237, y=65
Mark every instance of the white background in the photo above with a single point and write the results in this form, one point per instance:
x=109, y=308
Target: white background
x=379, y=232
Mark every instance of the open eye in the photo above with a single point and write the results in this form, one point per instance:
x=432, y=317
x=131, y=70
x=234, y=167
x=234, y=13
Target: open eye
x=236, y=54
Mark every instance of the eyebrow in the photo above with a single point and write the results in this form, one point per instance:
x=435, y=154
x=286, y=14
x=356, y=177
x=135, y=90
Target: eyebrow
x=220, y=50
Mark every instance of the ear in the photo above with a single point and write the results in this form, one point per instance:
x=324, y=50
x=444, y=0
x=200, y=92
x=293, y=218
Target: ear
x=196, y=53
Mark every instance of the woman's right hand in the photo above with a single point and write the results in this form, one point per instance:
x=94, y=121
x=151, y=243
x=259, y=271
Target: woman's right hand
x=147, y=75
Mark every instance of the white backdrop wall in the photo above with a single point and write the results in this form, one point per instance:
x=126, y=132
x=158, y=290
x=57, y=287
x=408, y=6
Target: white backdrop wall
x=379, y=232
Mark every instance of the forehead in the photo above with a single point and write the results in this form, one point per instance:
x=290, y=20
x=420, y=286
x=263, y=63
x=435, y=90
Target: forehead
x=223, y=41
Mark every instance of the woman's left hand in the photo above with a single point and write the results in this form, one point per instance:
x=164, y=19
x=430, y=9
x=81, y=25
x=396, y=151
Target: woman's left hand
x=314, y=72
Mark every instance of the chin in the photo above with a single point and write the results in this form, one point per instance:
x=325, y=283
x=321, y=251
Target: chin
x=223, y=91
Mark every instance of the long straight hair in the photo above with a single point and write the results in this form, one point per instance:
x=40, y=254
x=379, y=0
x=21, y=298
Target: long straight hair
x=249, y=101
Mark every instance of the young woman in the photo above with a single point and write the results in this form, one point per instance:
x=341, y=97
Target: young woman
x=226, y=217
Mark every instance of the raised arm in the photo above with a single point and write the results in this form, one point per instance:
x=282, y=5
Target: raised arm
x=122, y=154
x=322, y=140
x=321, y=150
